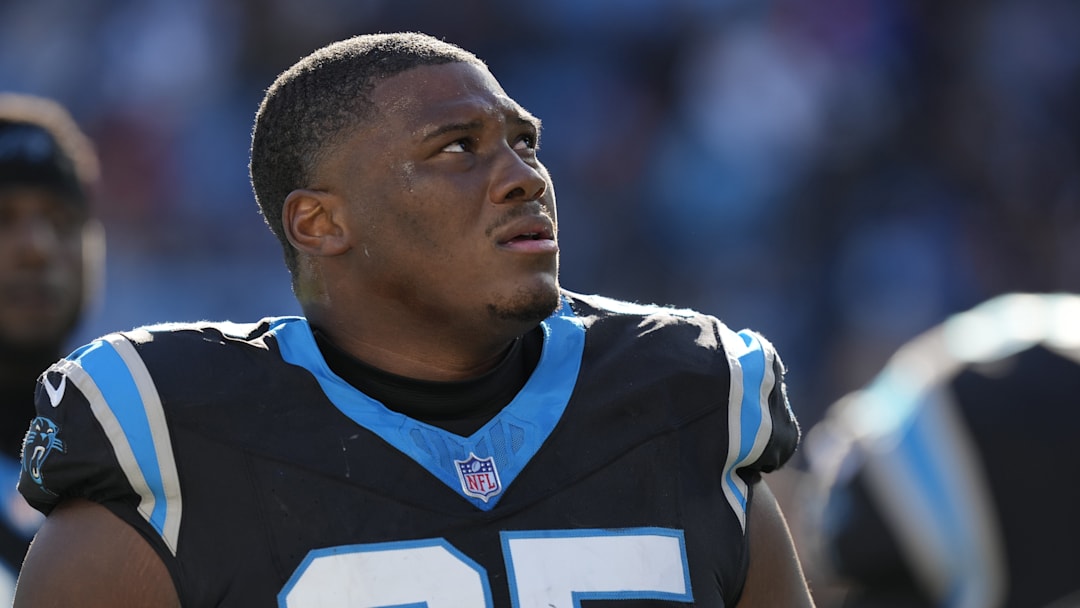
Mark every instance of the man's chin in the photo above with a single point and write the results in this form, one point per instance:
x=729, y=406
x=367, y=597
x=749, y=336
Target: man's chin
x=527, y=305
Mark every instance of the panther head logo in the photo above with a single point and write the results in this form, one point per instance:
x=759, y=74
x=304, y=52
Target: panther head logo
x=40, y=441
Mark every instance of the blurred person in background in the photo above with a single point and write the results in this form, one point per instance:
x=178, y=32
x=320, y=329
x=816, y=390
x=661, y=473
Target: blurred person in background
x=50, y=255
x=944, y=477
x=949, y=481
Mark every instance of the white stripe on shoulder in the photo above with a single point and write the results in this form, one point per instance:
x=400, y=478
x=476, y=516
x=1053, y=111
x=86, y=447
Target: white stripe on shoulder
x=768, y=383
x=734, y=487
x=158, y=486
x=159, y=432
x=749, y=419
x=113, y=430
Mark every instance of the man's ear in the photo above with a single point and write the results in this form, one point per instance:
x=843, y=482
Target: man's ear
x=314, y=222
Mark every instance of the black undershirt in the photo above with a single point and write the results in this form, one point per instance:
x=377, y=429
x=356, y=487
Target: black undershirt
x=458, y=407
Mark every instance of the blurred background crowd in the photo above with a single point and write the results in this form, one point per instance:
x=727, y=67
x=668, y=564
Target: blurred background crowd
x=839, y=174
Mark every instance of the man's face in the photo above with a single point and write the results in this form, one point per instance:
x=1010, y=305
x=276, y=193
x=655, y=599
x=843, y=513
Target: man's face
x=452, y=214
x=41, y=267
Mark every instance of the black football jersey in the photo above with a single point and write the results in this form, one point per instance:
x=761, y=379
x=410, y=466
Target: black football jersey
x=950, y=479
x=618, y=476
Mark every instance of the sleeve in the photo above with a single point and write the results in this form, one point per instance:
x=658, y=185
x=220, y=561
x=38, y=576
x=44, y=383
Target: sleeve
x=862, y=550
x=100, y=434
x=905, y=504
x=762, y=430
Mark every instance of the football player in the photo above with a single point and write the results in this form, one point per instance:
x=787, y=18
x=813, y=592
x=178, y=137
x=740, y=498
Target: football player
x=445, y=426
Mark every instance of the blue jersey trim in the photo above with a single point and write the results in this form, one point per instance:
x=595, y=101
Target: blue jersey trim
x=752, y=363
x=753, y=367
x=121, y=395
x=528, y=419
x=918, y=449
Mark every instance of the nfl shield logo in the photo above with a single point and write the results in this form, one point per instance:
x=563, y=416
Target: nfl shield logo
x=478, y=476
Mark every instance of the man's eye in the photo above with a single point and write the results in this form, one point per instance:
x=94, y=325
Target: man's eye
x=461, y=145
x=525, y=142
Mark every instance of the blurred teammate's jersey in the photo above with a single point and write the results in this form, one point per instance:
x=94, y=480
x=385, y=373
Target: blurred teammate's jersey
x=953, y=479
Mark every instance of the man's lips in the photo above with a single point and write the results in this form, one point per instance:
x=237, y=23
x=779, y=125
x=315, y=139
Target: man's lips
x=529, y=234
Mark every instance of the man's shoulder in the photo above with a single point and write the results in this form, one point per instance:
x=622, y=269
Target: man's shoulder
x=172, y=353
x=178, y=338
x=206, y=331
x=647, y=323
x=593, y=307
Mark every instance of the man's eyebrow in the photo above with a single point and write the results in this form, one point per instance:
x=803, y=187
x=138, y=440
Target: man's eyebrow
x=525, y=119
x=455, y=127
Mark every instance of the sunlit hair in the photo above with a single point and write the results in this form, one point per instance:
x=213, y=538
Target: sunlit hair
x=316, y=103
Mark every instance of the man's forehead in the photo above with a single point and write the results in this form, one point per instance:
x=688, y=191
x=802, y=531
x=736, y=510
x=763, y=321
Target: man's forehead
x=446, y=92
x=475, y=110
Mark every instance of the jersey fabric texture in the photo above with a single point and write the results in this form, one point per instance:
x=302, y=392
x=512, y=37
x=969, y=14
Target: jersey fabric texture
x=948, y=481
x=620, y=473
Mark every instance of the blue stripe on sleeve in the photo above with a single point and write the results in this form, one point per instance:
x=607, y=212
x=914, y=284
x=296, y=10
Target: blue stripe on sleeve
x=117, y=386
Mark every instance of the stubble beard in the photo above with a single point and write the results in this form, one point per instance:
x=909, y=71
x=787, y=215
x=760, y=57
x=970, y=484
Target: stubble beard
x=526, y=306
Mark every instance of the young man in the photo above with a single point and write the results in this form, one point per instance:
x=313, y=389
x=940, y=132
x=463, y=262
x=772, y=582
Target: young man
x=48, y=173
x=445, y=426
x=948, y=480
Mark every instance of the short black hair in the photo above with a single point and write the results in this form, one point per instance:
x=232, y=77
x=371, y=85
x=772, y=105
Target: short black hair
x=41, y=145
x=318, y=101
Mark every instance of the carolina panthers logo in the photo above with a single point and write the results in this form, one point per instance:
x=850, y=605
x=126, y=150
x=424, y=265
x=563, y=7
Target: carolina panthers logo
x=40, y=441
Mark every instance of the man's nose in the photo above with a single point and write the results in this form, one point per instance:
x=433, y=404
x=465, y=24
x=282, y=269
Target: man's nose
x=517, y=179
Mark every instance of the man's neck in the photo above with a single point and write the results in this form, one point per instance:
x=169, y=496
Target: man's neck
x=421, y=351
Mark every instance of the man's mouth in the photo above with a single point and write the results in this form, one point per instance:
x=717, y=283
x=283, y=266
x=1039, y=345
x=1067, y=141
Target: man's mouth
x=530, y=236
x=524, y=229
